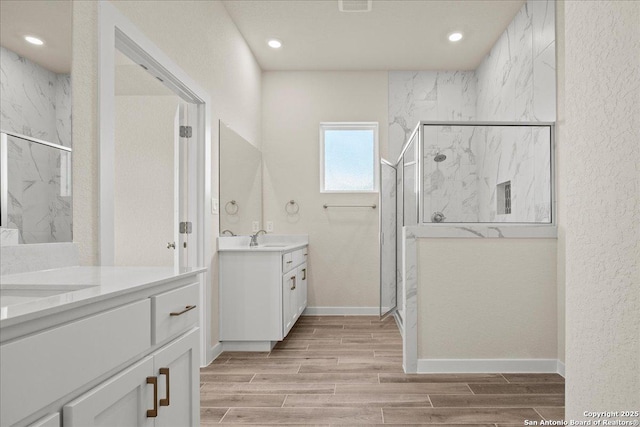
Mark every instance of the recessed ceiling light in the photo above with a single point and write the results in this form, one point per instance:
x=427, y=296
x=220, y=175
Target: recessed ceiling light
x=274, y=43
x=34, y=40
x=455, y=37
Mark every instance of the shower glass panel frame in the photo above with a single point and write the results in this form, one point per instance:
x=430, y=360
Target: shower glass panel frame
x=420, y=133
x=388, y=215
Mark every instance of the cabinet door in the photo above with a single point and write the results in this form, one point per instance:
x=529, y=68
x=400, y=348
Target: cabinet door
x=122, y=400
x=288, y=301
x=177, y=368
x=302, y=288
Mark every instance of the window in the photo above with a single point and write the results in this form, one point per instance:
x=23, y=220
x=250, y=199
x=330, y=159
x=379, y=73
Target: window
x=348, y=157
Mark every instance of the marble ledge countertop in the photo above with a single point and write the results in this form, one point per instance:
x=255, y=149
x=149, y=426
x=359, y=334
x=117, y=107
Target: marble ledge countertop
x=266, y=243
x=72, y=287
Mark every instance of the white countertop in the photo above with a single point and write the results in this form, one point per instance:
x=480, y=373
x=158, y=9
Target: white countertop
x=266, y=243
x=76, y=286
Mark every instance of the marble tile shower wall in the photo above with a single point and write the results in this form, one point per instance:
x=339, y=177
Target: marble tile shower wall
x=514, y=82
x=33, y=100
x=38, y=192
x=427, y=95
x=36, y=102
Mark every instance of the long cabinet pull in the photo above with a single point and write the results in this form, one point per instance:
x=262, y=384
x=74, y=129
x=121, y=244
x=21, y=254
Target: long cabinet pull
x=187, y=308
x=304, y=274
x=293, y=280
x=165, y=372
x=152, y=413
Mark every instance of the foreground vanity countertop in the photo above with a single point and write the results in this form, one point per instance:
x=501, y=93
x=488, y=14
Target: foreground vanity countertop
x=266, y=243
x=75, y=287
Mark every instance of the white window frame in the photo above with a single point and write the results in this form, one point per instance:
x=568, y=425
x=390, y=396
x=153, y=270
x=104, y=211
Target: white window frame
x=325, y=126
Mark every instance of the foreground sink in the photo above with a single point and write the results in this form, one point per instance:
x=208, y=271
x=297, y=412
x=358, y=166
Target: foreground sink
x=273, y=246
x=19, y=294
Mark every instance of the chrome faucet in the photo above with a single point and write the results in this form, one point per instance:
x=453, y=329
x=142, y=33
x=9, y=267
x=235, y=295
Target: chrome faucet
x=254, y=238
x=227, y=231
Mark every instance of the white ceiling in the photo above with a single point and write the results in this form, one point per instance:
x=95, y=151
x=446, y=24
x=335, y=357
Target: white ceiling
x=395, y=35
x=48, y=20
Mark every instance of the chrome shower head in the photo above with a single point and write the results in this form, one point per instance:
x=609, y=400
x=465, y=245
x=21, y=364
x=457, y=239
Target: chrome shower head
x=439, y=158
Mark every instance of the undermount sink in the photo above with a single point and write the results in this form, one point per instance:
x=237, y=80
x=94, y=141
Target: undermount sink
x=19, y=294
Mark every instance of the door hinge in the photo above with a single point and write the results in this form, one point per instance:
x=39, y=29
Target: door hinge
x=186, y=227
x=186, y=131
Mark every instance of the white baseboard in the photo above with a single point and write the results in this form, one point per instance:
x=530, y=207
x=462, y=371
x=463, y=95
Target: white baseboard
x=341, y=311
x=429, y=366
x=214, y=352
x=248, y=345
x=560, y=368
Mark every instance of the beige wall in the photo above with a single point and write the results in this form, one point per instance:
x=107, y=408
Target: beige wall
x=600, y=136
x=215, y=55
x=561, y=182
x=144, y=160
x=487, y=299
x=343, y=243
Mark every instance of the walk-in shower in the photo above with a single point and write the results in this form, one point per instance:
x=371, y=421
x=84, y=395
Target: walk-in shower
x=459, y=174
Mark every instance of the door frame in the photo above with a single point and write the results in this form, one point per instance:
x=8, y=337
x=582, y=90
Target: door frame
x=116, y=31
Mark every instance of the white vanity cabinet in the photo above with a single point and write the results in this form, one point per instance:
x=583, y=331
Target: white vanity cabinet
x=262, y=295
x=127, y=360
x=158, y=391
x=294, y=296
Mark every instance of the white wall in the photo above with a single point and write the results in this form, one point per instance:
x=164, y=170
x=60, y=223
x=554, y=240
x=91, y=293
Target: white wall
x=500, y=305
x=144, y=180
x=215, y=55
x=600, y=143
x=343, y=243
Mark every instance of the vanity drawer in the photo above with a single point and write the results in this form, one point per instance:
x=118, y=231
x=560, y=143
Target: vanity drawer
x=287, y=262
x=174, y=311
x=41, y=368
x=298, y=257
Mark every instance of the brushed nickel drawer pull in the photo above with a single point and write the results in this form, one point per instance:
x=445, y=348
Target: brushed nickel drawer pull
x=165, y=372
x=152, y=413
x=187, y=308
x=289, y=262
x=293, y=280
x=304, y=274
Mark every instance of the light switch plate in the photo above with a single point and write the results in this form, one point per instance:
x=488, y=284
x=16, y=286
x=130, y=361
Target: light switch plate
x=269, y=226
x=255, y=225
x=215, y=206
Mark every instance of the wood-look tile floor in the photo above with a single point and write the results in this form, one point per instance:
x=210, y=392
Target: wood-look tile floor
x=348, y=370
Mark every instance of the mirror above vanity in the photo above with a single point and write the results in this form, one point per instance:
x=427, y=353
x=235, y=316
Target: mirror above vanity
x=35, y=121
x=240, y=184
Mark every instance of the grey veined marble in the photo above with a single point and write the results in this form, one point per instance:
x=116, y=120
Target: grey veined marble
x=39, y=193
x=465, y=187
x=36, y=102
x=33, y=100
x=514, y=82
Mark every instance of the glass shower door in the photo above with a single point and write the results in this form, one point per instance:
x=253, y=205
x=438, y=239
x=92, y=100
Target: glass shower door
x=388, y=218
